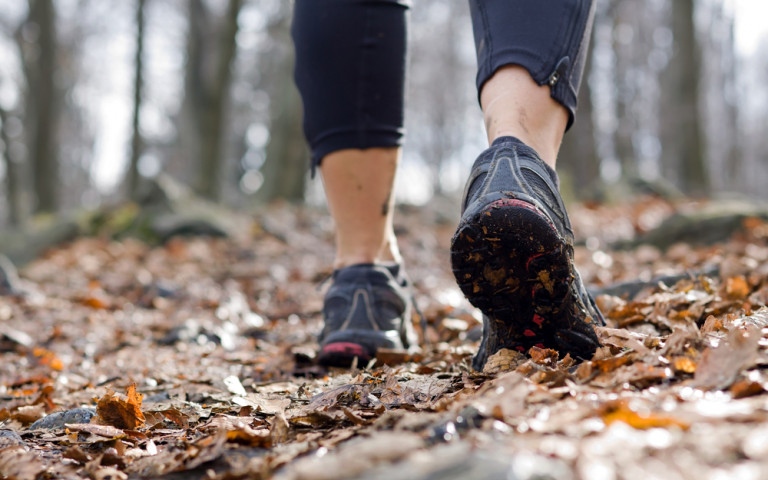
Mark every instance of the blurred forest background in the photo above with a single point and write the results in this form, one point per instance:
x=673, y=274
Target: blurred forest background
x=97, y=96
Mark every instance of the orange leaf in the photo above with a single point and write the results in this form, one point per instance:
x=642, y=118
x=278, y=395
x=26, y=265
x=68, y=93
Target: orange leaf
x=736, y=288
x=746, y=388
x=542, y=356
x=684, y=364
x=47, y=357
x=113, y=410
x=620, y=411
x=95, y=301
x=610, y=364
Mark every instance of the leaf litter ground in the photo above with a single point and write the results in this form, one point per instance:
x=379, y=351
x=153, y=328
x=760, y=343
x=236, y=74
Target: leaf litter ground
x=195, y=359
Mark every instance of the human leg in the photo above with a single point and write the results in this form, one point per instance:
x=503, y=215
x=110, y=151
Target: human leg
x=512, y=254
x=514, y=105
x=359, y=188
x=350, y=70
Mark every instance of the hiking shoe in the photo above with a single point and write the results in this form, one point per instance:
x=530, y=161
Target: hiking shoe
x=512, y=256
x=367, y=307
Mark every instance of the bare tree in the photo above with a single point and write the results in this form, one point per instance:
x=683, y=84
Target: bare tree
x=138, y=83
x=207, y=83
x=12, y=176
x=681, y=129
x=285, y=167
x=38, y=47
x=578, y=153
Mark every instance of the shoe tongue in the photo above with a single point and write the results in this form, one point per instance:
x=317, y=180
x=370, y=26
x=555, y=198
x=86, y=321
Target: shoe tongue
x=522, y=149
x=507, y=139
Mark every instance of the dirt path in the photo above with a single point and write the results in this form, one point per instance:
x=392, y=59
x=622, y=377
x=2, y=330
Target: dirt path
x=218, y=337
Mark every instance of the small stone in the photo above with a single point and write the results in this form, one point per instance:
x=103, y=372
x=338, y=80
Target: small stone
x=9, y=438
x=60, y=419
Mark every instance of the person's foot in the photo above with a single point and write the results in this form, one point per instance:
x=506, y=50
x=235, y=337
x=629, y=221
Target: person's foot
x=367, y=307
x=512, y=256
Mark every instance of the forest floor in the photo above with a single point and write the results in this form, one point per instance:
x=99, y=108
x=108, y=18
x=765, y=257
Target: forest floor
x=195, y=359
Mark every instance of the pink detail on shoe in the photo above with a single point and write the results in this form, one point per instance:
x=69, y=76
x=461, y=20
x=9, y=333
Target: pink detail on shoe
x=538, y=320
x=532, y=257
x=513, y=202
x=346, y=349
x=529, y=333
x=540, y=345
x=520, y=348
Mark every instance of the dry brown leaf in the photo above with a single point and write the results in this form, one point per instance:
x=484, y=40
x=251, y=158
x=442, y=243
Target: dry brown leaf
x=77, y=454
x=47, y=357
x=719, y=367
x=606, y=365
x=621, y=411
x=96, y=301
x=746, y=388
x=105, y=431
x=737, y=288
x=279, y=429
x=115, y=411
x=543, y=356
x=28, y=414
x=239, y=430
x=388, y=356
x=17, y=463
x=684, y=364
x=504, y=360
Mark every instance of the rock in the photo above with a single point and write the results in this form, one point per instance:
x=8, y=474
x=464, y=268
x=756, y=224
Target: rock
x=60, y=419
x=9, y=277
x=629, y=290
x=186, y=332
x=169, y=208
x=24, y=245
x=9, y=438
x=713, y=223
x=454, y=427
x=453, y=461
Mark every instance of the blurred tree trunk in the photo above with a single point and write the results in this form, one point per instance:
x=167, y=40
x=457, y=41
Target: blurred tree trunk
x=682, y=154
x=210, y=91
x=42, y=100
x=578, y=156
x=626, y=17
x=138, y=84
x=734, y=171
x=15, y=215
x=285, y=166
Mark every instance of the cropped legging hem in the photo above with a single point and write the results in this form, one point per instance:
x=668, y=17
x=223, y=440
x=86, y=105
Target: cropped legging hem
x=354, y=138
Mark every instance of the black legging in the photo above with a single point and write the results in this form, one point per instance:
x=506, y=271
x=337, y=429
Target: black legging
x=350, y=61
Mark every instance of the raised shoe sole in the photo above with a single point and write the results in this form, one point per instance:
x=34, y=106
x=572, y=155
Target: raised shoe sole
x=512, y=264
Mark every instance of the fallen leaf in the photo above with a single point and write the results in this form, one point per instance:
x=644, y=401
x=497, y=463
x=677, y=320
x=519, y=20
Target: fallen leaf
x=684, y=364
x=736, y=288
x=115, y=411
x=746, y=388
x=279, y=429
x=17, y=463
x=47, y=357
x=543, y=356
x=28, y=414
x=620, y=411
x=720, y=366
x=96, y=301
x=104, y=431
x=504, y=360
